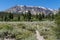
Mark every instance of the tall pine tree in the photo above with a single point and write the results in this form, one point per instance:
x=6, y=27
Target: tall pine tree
x=29, y=16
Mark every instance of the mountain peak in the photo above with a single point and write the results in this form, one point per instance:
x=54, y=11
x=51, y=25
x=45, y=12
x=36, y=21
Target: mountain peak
x=33, y=9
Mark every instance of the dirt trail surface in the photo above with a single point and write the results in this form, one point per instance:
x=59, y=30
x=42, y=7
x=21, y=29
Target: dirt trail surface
x=38, y=36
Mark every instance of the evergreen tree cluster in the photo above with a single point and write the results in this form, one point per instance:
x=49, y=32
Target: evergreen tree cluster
x=5, y=16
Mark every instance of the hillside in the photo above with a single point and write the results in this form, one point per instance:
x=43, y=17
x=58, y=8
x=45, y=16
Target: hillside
x=32, y=9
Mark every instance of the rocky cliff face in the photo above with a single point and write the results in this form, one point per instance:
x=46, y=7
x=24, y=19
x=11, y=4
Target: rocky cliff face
x=32, y=9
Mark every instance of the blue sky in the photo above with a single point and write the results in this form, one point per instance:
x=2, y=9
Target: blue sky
x=5, y=4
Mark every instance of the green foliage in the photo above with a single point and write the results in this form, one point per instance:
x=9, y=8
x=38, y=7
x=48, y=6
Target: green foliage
x=18, y=17
x=57, y=21
x=40, y=17
x=27, y=16
x=26, y=30
x=10, y=15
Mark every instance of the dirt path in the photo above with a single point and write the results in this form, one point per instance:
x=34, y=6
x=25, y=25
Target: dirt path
x=38, y=36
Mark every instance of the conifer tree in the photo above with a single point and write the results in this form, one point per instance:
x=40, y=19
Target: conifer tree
x=29, y=16
x=40, y=17
x=10, y=16
x=18, y=17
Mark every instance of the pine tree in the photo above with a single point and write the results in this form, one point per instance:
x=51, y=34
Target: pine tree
x=29, y=16
x=5, y=18
x=52, y=16
x=43, y=16
x=40, y=17
x=18, y=17
x=10, y=16
x=36, y=16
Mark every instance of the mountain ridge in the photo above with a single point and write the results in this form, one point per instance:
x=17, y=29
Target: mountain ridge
x=32, y=9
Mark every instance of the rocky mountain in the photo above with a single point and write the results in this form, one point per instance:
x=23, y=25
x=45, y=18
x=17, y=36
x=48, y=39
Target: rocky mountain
x=32, y=9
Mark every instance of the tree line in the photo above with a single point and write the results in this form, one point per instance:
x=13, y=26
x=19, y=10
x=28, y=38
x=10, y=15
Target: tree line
x=28, y=16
